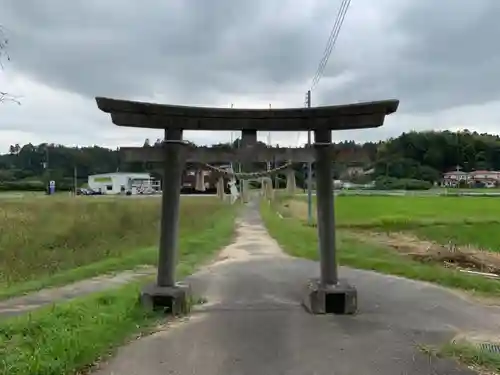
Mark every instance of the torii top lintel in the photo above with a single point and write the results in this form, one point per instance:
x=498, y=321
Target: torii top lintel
x=163, y=116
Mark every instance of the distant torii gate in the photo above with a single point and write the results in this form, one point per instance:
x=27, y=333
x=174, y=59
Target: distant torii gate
x=324, y=295
x=257, y=153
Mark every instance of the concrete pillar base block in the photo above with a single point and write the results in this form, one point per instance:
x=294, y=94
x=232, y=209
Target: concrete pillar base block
x=330, y=299
x=173, y=300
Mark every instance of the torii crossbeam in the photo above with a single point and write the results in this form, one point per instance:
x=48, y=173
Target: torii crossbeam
x=207, y=155
x=324, y=295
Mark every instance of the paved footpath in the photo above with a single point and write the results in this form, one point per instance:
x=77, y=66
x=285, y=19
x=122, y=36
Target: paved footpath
x=253, y=322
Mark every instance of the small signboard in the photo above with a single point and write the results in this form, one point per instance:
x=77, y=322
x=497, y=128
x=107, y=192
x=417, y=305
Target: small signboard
x=52, y=187
x=103, y=179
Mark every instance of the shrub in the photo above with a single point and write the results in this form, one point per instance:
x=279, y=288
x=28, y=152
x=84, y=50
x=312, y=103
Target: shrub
x=392, y=183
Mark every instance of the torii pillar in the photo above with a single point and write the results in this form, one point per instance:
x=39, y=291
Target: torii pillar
x=266, y=188
x=220, y=188
x=291, y=183
x=199, y=184
x=326, y=294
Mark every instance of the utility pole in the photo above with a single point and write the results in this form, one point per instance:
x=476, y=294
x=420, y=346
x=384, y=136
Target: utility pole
x=47, y=170
x=75, y=178
x=309, y=168
x=232, y=145
x=269, y=145
x=238, y=144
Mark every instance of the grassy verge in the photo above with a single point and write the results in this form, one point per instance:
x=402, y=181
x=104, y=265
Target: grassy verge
x=482, y=360
x=140, y=257
x=24, y=271
x=300, y=240
x=69, y=337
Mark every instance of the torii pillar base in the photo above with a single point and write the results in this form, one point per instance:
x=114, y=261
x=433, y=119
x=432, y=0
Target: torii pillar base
x=341, y=298
x=172, y=300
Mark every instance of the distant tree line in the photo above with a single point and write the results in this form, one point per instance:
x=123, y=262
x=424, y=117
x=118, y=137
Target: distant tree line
x=31, y=167
x=406, y=161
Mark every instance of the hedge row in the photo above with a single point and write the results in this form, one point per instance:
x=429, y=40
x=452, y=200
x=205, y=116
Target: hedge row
x=392, y=183
x=31, y=186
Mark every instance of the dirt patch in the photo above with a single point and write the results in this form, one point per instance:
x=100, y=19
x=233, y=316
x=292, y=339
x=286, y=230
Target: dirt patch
x=232, y=253
x=450, y=255
x=250, y=242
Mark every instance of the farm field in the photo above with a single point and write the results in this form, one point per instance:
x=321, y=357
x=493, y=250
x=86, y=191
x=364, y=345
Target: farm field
x=426, y=238
x=461, y=220
x=59, y=239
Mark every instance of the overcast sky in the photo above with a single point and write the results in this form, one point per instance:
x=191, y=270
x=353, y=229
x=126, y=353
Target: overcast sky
x=440, y=58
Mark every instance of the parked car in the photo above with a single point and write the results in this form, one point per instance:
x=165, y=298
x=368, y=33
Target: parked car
x=83, y=191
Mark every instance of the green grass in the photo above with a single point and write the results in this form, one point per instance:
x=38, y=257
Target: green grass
x=300, y=240
x=351, y=210
x=55, y=241
x=473, y=190
x=471, y=355
x=462, y=220
x=192, y=248
x=69, y=337
x=16, y=193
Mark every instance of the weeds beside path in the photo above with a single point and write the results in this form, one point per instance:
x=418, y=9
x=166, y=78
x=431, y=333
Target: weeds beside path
x=300, y=240
x=52, y=242
x=70, y=337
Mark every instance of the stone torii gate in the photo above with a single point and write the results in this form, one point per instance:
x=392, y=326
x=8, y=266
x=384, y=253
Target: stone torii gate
x=327, y=294
x=256, y=153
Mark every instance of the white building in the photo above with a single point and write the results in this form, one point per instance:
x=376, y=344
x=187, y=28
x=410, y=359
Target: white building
x=123, y=183
x=454, y=178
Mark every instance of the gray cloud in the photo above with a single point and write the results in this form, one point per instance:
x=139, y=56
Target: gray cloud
x=433, y=55
x=188, y=49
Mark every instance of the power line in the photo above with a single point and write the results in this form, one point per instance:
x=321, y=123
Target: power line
x=332, y=39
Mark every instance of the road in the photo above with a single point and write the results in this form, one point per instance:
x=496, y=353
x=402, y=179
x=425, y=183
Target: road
x=418, y=193
x=253, y=322
x=16, y=195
